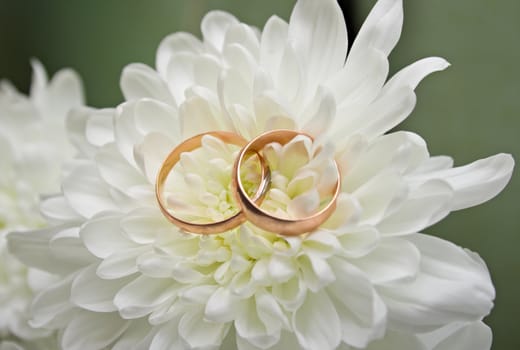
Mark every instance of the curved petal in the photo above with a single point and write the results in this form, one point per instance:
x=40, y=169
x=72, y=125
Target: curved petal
x=318, y=32
x=86, y=192
x=272, y=44
x=199, y=333
x=398, y=341
x=316, y=323
x=141, y=296
x=453, y=285
x=476, y=182
x=424, y=206
x=412, y=75
x=140, y=81
x=472, y=336
x=89, y=330
x=392, y=260
x=173, y=44
x=214, y=26
x=102, y=300
x=381, y=29
x=361, y=311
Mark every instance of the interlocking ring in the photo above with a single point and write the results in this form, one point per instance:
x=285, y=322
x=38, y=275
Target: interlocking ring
x=263, y=219
x=190, y=145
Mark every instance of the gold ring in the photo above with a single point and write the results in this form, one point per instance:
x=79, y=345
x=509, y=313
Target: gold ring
x=262, y=219
x=190, y=145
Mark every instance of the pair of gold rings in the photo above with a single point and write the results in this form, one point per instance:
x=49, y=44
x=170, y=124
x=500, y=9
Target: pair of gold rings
x=249, y=206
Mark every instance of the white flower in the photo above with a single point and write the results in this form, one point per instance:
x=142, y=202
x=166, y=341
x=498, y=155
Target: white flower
x=366, y=279
x=33, y=146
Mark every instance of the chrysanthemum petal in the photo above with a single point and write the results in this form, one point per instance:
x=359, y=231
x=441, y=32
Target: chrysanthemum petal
x=477, y=182
x=272, y=43
x=361, y=311
x=101, y=301
x=472, y=336
x=452, y=285
x=173, y=44
x=381, y=29
x=214, y=27
x=143, y=295
x=140, y=81
x=392, y=260
x=199, y=333
x=90, y=330
x=318, y=32
x=316, y=323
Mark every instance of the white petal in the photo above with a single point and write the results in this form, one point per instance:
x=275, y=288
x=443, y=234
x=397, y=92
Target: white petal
x=287, y=341
x=102, y=236
x=251, y=327
x=476, y=182
x=316, y=323
x=315, y=271
x=199, y=333
x=151, y=153
x=68, y=248
x=359, y=242
x=360, y=81
x=392, y=260
x=378, y=195
x=32, y=248
x=86, y=193
x=65, y=92
x=142, y=226
x=400, y=151
x=167, y=338
x=91, y=293
x=270, y=312
x=143, y=295
x=139, y=81
x=424, y=206
x=381, y=29
x=290, y=294
x=272, y=43
x=51, y=304
x=154, y=116
x=453, y=285
x=39, y=79
x=321, y=114
x=361, y=311
x=221, y=306
x=133, y=336
x=290, y=78
x=412, y=75
x=120, y=264
x=115, y=170
x=57, y=208
x=173, y=44
x=214, y=26
x=390, y=109
x=89, y=330
x=243, y=36
x=472, y=336
x=197, y=115
x=318, y=31
x=398, y=341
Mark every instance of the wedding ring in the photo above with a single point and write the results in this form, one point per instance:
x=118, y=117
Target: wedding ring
x=259, y=217
x=190, y=145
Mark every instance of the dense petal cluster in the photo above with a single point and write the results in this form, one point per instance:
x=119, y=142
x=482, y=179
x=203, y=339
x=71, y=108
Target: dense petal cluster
x=365, y=279
x=33, y=146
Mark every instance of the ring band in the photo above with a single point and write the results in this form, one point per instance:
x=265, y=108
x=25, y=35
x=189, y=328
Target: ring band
x=190, y=145
x=264, y=220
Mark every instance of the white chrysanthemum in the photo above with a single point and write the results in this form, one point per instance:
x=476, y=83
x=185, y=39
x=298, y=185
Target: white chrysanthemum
x=33, y=146
x=366, y=279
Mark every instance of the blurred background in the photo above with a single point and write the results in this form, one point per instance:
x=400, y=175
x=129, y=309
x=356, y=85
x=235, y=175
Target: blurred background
x=470, y=111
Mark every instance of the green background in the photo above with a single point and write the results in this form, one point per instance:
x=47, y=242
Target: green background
x=470, y=111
